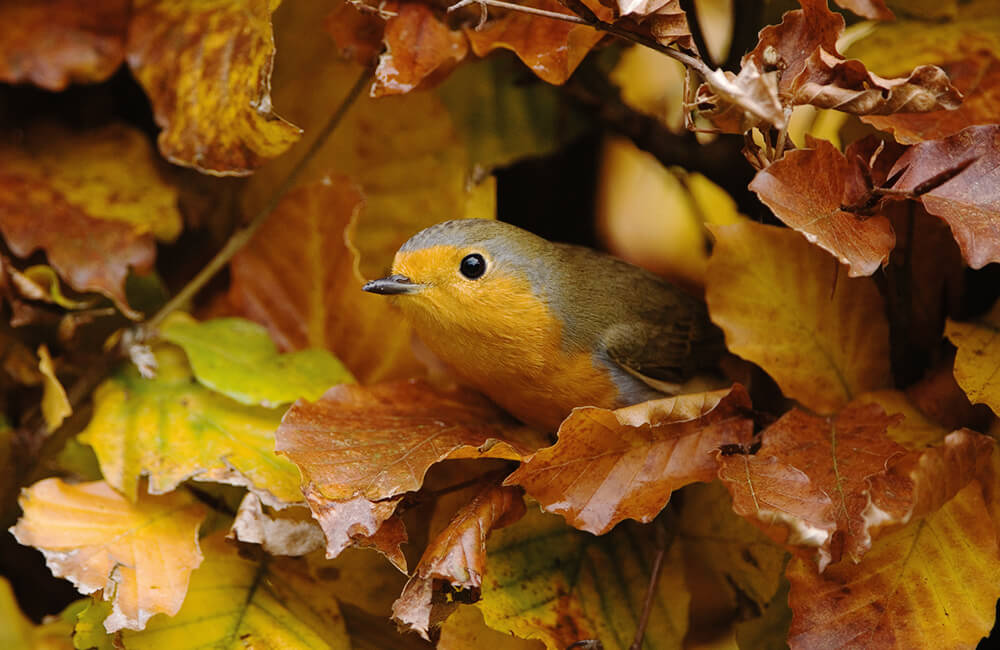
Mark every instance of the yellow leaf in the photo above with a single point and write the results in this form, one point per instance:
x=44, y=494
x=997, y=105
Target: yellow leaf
x=977, y=364
x=932, y=584
x=206, y=66
x=791, y=309
x=55, y=404
x=18, y=633
x=172, y=428
x=466, y=629
x=547, y=581
x=235, y=603
x=140, y=554
x=916, y=430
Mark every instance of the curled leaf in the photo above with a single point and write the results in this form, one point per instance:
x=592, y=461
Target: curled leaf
x=286, y=532
x=608, y=466
x=55, y=404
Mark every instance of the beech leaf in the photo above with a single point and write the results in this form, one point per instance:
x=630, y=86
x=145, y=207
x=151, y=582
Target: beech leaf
x=419, y=48
x=291, y=531
x=171, y=428
x=237, y=358
x=910, y=591
x=139, y=553
x=455, y=560
x=977, y=363
x=788, y=307
x=608, y=466
x=219, y=53
x=55, y=404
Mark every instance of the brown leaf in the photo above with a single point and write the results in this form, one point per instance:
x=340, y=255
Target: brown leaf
x=830, y=81
x=613, y=465
x=298, y=278
x=53, y=43
x=931, y=584
x=206, y=67
x=360, y=522
x=664, y=20
x=807, y=188
x=874, y=9
x=419, y=50
x=736, y=103
x=455, y=560
x=361, y=449
x=977, y=78
x=283, y=532
x=970, y=201
x=357, y=34
x=551, y=48
x=836, y=456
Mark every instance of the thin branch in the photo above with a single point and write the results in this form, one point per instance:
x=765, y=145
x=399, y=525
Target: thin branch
x=697, y=34
x=596, y=23
x=241, y=237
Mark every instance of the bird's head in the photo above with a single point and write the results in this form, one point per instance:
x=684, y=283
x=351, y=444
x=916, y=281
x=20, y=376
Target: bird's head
x=470, y=274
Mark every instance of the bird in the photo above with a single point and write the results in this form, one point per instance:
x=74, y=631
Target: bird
x=541, y=327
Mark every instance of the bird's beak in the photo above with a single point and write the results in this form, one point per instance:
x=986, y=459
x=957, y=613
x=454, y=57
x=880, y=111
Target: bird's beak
x=392, y=285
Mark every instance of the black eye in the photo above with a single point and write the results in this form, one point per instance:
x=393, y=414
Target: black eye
x=473, y=266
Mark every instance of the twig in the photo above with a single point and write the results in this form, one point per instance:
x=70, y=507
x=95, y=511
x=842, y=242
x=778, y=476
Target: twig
x=697, y=34
x=596, y=23
x=242, y=236
x=664, y=540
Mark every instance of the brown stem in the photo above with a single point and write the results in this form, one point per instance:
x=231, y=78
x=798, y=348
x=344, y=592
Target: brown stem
x=664, y=539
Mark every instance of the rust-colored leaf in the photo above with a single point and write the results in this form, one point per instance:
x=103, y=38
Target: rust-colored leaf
x=298, y=278
x=419, y=48
x=361, y=449
x=970, y=201
x=141, y=554
x=933, y=583
x=206, y=66
x=736, y=103
x=455, y=560
x=807, y=189
x=53, y=43
x=663, y=19
x=836, y=456
x=977, y=78
x=357, y=34
x=551, y=48
x=624, y=464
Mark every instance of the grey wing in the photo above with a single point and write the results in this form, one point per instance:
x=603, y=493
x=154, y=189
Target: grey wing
x=666, y=351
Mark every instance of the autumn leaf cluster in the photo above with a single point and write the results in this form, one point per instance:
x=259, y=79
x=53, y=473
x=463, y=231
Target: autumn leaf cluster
x=219, y=440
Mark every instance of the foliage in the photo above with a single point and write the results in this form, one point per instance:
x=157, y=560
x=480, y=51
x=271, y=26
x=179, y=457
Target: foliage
x=254, y=458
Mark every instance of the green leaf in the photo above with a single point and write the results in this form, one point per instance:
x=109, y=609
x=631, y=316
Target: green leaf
x=172, y=428
x=547, y=581
x=89, y=634
x=237, y=358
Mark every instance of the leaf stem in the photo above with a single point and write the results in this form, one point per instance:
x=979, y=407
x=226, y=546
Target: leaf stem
x=241, y=237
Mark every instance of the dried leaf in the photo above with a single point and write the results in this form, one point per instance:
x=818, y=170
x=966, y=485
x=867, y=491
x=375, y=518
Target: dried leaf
x=357, y=34
x=55, y=404
x=41, y=282
x=454, y=562
x=830, y=81
x=547, y=581
x=608, y=466
x=52, y=43
x=206, y=66
x=360, y=449
x=91, y=200
x=910, y=591
x=788, y=307
x=807, y=189
x=970, y=201
x=977, y=78
x=419, y=49
x=236, y=603
x=663, y=19
x=140, y=553
x=977, y=364
x=551, y=48
x=286, y=532
x=737, y=103
x=298, y=276
x=171, y=428
x=874, y=9
x=237, y=358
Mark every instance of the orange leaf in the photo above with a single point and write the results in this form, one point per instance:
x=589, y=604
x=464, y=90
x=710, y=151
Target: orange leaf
x=52, y=43
x=933, y=584
x=361, y=449
x=456, y=559
x=206, y=66
x=969, y=202
x=298, y=278
x=141, y=554
x=977, y=78
x=551, y=48
x=358, y=34
x=806, y=190
x=613, y=465
x=419, y=48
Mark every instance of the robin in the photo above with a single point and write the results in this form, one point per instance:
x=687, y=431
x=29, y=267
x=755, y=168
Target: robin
x=541, y=327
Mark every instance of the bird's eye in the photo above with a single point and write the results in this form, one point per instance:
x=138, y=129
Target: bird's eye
x=473, y=266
